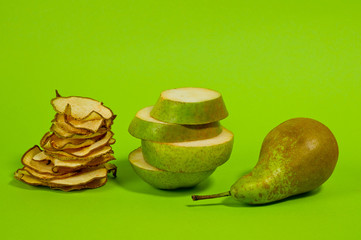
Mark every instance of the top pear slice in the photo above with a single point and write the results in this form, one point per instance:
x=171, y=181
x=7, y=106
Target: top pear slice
x=145, y=127
x=81, y=107
x=189, y=106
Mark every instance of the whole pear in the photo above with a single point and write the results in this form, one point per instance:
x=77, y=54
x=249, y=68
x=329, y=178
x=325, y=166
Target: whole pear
x=297, y=156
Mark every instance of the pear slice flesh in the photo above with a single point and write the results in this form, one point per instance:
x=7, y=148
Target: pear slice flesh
x=145, y=127
x=81, y=107
x=192, y=156
x=190, y=106
x=163, y=179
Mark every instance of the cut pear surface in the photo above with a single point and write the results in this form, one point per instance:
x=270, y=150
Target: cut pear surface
x=146, y=127
x=164, y=179
x=190, y=106
x=81, y=107
x=192, y=156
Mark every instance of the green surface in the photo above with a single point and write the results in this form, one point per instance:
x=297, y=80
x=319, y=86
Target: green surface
x=271, y=61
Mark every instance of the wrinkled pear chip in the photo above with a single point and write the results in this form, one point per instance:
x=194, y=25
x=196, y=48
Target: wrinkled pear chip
x=62, y=133
x=26, y=177
x=60, y=119
x=67, y=156
x=81, y=107
x=86, y=150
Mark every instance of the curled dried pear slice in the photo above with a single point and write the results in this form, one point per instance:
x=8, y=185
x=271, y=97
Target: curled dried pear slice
x=62, y=133
x=86, y=150
x=66, y=156
x=81, y=107
x=83, y=177
x=48, y=176
x=93, y=184
x=60, y=119
x=25, y=177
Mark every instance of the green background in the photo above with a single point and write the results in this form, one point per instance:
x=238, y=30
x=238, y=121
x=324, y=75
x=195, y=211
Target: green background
x=271, y=60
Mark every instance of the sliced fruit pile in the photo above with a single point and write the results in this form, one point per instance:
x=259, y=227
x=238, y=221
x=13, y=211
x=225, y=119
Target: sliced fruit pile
x=182, y=140
x=76, y=152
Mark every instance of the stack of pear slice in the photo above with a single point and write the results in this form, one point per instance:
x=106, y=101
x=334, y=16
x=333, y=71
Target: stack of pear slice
x=182, y=140
x=75, y=154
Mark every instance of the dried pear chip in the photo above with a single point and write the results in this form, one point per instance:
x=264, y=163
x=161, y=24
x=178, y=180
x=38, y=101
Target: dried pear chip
x=111, y=141
x=90, y=125
x=81, y=107
x=40, y=166
x=54, y=143
x=66, y=156
x=48, y=176
x=83, y=177
x=61, y=133
x=93, y=184
x=60, y=119
x=70, y=143
x=86, y=150
x=83, y=163
x=25, y=177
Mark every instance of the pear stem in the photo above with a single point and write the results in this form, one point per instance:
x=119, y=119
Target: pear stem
x=201, y=197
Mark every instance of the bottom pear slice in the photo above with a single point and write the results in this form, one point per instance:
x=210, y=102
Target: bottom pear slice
x=163, y=179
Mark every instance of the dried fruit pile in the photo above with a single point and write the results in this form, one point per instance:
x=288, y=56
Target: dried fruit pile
x=76, y=152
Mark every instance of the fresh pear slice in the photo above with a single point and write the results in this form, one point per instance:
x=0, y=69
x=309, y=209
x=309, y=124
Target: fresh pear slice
x=164, y=179
x=192, y=156
x=191, y=106
x=145, y=127
x=81, y=107
x=86, y=150
x=66, y=156
x=62, y=133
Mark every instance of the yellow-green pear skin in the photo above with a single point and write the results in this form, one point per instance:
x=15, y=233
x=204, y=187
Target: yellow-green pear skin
x=164, y=179
x=143, y=126
x=192, y=156
x=297, y=156
x=189, y=106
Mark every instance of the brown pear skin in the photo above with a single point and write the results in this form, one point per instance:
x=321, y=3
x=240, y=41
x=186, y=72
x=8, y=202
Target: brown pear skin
x=297, y=156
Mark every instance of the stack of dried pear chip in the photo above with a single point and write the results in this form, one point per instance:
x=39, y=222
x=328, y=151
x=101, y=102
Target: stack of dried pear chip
x=76, y=152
